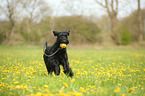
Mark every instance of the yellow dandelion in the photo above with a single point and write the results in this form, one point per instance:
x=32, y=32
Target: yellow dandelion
x=23, y=84
x=51, y=95
x=38, y=94
x=29, y=76
x=45, y=86
x=46, y=90
x=123, y=95
x=119, y=84
x=61, y=71
x=34, y=87
x=3, y=78
x=82, y=89
x=28, y=80
x=16, y=82
x=72, y=80
x=130, y=90
x=100, y=90
x=9, y=87
x=39, y=89
x=117, y=90
x=87, y=89
x=78, y=94
x=62, y=94
x=70, y=93
x=65, y=84
x=19, y=86
x=113, y=63
x=26, y=87
x=75, y=94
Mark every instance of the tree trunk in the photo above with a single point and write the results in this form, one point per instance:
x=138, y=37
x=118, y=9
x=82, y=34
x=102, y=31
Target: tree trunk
x=7, y=35
x=10, y=8
x=12, y=31
x=12, y=28
x=114, y=36
x=140, y=38
x=112, y=13
x=28, y=29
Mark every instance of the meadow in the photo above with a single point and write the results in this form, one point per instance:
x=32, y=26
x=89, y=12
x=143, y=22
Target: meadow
x=97, y=72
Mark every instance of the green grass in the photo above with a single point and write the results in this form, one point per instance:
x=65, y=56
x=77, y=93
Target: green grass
x=105, y=72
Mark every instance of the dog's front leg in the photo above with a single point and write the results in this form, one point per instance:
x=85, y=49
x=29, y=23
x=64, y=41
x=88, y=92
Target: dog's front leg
x=67, y=69
x=56, y=67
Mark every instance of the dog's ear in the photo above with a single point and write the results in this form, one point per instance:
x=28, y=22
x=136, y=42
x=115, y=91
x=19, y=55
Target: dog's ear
x=55, y=33
x=68, y=32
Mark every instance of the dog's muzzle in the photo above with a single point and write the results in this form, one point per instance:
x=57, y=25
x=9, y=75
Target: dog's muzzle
x=63, y=45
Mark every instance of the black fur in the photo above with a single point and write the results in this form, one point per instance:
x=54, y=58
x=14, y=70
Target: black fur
x=54, y=56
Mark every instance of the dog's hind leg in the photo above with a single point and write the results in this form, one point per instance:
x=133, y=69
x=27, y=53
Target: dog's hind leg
x=70, y=72
x=49, y=69
x=67, y=69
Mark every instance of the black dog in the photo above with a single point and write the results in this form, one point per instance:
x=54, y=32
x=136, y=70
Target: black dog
x=56, y=55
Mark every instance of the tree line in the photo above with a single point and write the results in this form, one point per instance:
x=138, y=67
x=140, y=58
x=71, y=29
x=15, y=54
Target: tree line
x=31, y=22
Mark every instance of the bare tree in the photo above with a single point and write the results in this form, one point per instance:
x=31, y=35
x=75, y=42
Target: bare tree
x=9, y=10
x=140, y=38
x=11, y=7
x=112, y=9
x=73, y=7
x=35, y=11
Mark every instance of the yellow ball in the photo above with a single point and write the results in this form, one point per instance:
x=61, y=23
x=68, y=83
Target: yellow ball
x=62, y=45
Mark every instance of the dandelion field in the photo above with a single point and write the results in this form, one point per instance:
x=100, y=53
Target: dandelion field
x=104, y=72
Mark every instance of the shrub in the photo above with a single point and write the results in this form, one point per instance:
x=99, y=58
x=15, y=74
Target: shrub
x=82, y=29
x=125, y=35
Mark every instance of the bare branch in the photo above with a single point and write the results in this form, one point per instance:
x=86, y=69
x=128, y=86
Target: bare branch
x=107, y=6
x=116, y=7
x=100, y=4
x=112, y=6
x=114, y=10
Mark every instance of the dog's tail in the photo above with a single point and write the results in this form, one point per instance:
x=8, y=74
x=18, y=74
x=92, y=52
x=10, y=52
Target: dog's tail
x=46, y=44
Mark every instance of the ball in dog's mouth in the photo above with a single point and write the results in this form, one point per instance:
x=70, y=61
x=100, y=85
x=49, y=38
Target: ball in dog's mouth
x=62, y=45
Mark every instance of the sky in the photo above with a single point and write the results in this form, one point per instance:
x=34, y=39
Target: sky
x=88, y=8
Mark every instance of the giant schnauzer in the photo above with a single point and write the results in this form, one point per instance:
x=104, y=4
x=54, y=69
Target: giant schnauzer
x=56, y=55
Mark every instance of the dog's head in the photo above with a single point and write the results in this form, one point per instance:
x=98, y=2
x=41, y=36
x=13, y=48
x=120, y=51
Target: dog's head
x=62, y=37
